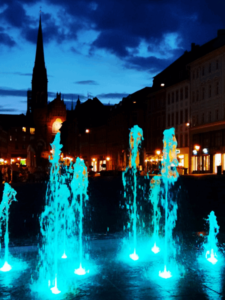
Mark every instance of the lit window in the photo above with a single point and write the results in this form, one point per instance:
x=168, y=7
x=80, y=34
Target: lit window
x=32, y=130
x=56, y=125
x=10, y=138
x=24, y=129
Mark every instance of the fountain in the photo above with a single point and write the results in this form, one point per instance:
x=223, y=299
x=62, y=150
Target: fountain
x=169, y=176
x=154, y=198
x=50, y=221
x=64, y=195
x=211, y=245
x=136, y=136
x=9, y=195
x=79, y=186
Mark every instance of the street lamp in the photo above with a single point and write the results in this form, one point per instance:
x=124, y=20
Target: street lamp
x=197, y=147
x=158, y=152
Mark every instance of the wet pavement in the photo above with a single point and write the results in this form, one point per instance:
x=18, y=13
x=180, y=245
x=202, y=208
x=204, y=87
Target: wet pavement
x=113, y=275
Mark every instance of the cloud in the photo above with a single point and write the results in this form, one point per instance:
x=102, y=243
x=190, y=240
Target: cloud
x=4, y=91
x=21, y=74
x=3, y=109
x=17, y=73
x=6, y=39
x=86, y=82
x=122, y=26
x=8, y=110
x=112, y=96
x=15, y=14
x=12, y=92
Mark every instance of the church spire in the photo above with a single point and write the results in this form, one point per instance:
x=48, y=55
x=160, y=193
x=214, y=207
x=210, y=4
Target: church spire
x=39, y=78
x=39, y=59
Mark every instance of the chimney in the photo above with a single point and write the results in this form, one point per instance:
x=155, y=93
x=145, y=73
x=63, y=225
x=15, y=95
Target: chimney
x=220, y=32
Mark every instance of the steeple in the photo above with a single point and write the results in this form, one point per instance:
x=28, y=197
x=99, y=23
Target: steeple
x=39, y=78
x=39, y=59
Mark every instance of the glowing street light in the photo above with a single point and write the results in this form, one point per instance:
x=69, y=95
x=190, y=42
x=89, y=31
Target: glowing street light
x=187, y=124
x=158, y=152
x=87, y=130
x=197, y=147
x=108, y=158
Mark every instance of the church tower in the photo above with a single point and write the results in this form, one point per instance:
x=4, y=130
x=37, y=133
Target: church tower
x=38, y=96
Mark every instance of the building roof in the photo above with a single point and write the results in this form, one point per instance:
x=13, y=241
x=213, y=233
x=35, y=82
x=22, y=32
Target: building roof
x=178, y=70
x=8, y=121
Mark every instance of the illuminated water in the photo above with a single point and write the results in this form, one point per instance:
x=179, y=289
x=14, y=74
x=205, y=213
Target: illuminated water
x=113, y=279
x=135, y=138
x=169, y=176
x=79, y=187
x=52, y=221
x=9, y=195
x=155, y=186
x=211, y=244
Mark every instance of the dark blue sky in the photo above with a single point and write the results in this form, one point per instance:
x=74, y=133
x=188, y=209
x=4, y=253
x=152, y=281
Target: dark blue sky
x=98, y=48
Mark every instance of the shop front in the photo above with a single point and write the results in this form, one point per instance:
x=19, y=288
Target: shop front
x=183, y=160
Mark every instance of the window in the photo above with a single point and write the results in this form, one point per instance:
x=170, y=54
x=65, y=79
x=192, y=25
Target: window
x=16, y=146
x=217, y=64
x=193, y=97
x=210, y=116
x=210, y=91
x=24, y=138
x=168, y=98
x=197, y=120
x=181, y=94
x=186, y=140
x=197, y=95
x=172, y=97
x=203, y=71
x=177, y=117
x=177, y=96
x=186, y=92
x=203, y=118
x=210, y=68
x=181, y=140
x=16, y=139
x=203, y=93
x=193, y=120
x=32, y=130
x=218, y=138
x=15, y=129
x=168, y=120
x=172, y=121
x=186, y=116
x=181, y=117
x=217, y=88
x=197, y=74
x=24, y=129
x=193, y=75
x=10, y=138
x=217, y=114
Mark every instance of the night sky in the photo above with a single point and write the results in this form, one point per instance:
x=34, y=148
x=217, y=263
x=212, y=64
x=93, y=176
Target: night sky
x=105, y=48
